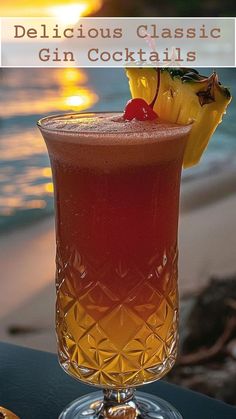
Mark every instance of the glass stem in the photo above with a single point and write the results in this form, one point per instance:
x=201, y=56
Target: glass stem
x=120, y=396
x=119, y=403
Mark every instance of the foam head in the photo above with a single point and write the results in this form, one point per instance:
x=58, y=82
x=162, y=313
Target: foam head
x=106, y=140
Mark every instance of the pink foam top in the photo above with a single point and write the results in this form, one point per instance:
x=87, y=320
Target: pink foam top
x=110, y=127
x=99, y=139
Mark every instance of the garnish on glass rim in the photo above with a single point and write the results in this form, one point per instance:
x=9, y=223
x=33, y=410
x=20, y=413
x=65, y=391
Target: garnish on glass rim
x=182, y=96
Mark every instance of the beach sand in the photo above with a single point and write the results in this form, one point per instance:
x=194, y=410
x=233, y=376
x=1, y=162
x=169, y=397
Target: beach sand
x=207, y=244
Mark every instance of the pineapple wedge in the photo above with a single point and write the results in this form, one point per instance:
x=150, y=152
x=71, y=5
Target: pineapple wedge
x=184, y=96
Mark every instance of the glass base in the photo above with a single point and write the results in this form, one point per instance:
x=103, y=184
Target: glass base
x=137, y=405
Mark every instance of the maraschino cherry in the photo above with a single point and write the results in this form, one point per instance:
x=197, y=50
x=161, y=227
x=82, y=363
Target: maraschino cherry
x=139, y=109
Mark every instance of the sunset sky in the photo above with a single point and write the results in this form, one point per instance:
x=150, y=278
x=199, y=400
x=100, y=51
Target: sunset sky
x=68, y=11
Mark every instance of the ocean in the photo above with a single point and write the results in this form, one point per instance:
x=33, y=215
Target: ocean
x=26, y=190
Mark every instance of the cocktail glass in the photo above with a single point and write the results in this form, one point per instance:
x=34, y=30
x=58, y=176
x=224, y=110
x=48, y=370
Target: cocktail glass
x=117, y=208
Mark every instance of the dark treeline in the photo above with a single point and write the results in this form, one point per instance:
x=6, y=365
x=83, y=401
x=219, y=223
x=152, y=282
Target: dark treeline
x=154, y=8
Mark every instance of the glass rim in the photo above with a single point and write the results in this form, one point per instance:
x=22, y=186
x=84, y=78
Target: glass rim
x=177, y=129
x=79, y=113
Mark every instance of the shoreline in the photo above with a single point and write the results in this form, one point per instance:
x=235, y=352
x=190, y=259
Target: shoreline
x=207, y=246
x=208, y=188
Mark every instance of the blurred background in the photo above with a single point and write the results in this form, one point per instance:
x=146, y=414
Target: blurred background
x=207, y=236
x=119, y=8
x=29, y=94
